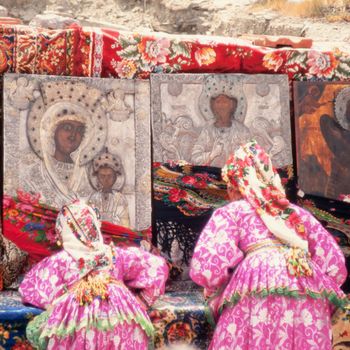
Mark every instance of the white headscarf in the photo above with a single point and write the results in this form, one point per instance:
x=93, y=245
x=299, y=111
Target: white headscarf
x=79, y=229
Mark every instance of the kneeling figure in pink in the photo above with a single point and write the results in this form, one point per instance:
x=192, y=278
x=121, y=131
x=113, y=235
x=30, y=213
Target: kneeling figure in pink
x=86, y=289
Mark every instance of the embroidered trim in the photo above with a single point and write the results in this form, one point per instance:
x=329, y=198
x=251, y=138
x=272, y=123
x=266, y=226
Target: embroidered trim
x=285, y=291
x=297, y=260
x=38, y=333
x=265, y=244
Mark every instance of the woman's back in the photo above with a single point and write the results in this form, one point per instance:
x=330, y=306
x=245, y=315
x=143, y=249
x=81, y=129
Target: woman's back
x=256, y=263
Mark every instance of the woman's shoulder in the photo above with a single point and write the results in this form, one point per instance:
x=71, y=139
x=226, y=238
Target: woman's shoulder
x=124, y=251
x=300, y=210
x=60, y=258
x=244, y=206
x=241, y=203
x=56, y=262
x=241, y=206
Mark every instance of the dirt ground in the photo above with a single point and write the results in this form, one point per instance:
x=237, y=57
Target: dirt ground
x=212, y=17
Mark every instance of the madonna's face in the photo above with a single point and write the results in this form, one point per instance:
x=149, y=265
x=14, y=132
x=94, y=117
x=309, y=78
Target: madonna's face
x=68, y=136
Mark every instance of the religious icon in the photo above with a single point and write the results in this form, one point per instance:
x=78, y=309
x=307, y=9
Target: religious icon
x=203, y=118
x=57, y=128
x=322, y=122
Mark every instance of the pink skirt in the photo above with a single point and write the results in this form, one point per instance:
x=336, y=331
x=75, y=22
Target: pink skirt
x=274, y=323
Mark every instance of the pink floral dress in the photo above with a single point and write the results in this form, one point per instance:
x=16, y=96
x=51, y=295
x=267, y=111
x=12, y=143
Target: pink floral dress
x=118, y=322
x=263, y=306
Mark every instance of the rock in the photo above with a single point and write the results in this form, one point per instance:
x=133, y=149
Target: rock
x=52, y=21
x=27, y=14
x=286, y=28
x=103, y=24
x=3, y=11
x=182, y=16
x=129, y=4
x=59, y=10
x=244, y=24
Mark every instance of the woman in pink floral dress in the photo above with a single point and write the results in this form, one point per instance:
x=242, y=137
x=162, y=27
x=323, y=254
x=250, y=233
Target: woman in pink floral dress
x=269, y=268
x=85, y=289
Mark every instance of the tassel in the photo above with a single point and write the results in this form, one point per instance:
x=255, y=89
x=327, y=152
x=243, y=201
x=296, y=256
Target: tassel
x=92, y=286
x=298, y=262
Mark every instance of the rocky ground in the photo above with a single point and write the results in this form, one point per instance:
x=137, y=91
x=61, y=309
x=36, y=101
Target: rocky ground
x=213, y=17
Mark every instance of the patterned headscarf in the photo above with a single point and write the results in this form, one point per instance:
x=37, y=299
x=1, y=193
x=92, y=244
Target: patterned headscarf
x=78, y=227
x=250, y=169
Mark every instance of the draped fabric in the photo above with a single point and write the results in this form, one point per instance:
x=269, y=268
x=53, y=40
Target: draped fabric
x=31, y=226
x=94, y=52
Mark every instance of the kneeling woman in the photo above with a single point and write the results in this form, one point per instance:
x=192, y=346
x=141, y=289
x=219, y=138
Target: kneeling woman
x=85, y=289
x=268, y=266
